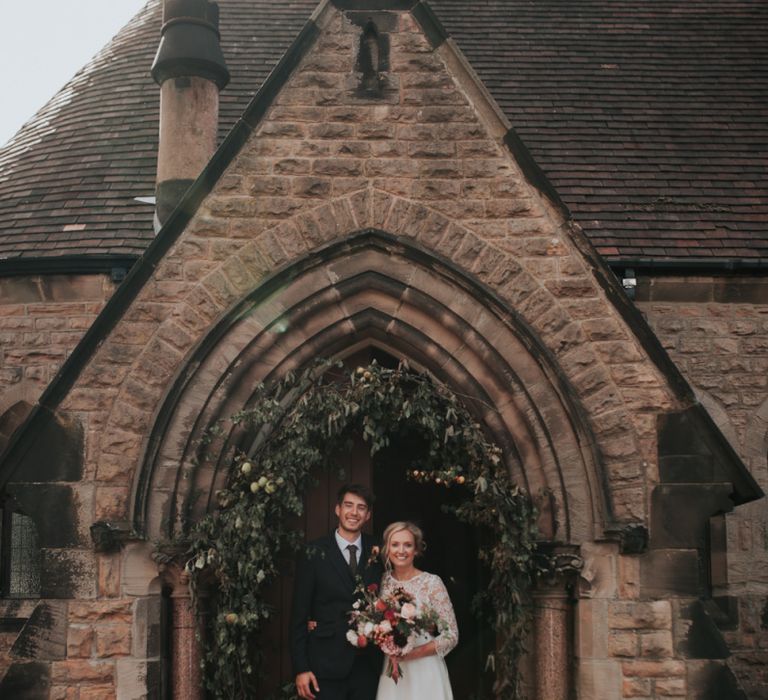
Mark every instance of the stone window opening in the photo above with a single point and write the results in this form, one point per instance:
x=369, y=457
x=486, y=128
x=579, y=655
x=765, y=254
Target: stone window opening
x=19, y=552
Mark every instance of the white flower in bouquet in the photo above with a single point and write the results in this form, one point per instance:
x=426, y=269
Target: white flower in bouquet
x=352, y=637
x=408, y=611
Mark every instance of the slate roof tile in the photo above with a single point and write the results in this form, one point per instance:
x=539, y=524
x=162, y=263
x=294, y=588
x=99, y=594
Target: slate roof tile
x=650, y=119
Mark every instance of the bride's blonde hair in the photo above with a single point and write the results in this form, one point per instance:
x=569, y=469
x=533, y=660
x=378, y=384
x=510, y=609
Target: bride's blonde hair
x=413, y=528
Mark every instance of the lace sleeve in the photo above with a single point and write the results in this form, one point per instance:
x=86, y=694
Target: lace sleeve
x=439, y=600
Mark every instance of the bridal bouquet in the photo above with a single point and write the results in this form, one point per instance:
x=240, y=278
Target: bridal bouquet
x=392, y=622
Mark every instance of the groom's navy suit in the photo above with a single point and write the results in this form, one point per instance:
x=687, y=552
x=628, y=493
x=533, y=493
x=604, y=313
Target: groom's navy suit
x=324, y=592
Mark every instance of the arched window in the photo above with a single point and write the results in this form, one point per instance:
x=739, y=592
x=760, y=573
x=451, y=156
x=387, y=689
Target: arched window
x=19, y=543
x=19, y=553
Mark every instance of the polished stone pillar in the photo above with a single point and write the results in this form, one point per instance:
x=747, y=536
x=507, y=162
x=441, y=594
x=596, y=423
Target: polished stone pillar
x=186, y=674
x=553, y=624
x=552, y=610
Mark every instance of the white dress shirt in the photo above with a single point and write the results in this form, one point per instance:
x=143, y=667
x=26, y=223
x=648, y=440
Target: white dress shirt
x=343, y=544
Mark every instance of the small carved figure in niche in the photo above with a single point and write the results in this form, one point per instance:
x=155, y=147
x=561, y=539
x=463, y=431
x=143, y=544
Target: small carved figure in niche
x=370, y=60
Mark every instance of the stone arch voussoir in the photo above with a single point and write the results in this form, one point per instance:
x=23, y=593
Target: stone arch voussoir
x=383, y=290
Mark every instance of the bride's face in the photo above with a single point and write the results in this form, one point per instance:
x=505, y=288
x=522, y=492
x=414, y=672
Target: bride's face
x=402, y=549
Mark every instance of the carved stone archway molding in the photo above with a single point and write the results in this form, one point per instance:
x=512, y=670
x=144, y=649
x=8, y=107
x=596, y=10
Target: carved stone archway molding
x=373, y=289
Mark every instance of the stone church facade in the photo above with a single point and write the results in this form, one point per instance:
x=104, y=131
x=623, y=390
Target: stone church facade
x=374, y=197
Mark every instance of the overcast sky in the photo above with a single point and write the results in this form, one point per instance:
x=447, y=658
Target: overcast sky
x=44, y=43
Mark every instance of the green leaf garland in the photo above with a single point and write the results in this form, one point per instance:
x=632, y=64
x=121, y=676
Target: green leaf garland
x=297, y=426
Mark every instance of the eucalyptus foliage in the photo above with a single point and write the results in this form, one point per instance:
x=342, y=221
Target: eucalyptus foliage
x=298, y=426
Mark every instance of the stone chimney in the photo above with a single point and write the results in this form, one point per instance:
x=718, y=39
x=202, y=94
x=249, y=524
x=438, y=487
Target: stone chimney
x=190, y=69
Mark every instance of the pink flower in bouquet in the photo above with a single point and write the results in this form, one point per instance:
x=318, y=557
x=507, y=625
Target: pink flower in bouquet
x=384, y=627
x=390, y=647
x=392, y=622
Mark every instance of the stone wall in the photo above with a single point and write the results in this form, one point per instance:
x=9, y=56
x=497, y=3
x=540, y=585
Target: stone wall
x=421, y=161
x=716, y=330
x=424, y=161
x=42, y=318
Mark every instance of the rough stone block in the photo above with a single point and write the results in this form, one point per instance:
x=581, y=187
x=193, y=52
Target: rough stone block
x=640, y=615
x=81, y=671
x=147, y=627
x=599, y=680
x=656, y=644
x=111, y=503
x=680, y=513
x=57, y=453
x=134, y=681
x=109, y=576
x=629, y=577
x=67, y=573
x=79, y=642
x=40, y=501
x=139, y=572
x=44, y=635
x=671, y=687
x=667, y=668
x=637, y=688
x=671, y=572
x=687, y=469
x=97, y=692
x=622, y=644
x=26, y=681
x=101, y=611
x=598, y=576
x=713, y=680
x=113, y=640
x=702, y=638
x=591, y=633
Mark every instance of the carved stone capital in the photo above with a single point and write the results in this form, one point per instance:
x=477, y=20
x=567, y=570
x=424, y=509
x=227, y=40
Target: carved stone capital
x=556, y=566
x=632, y=537
x=110, y=536
x=170, y=560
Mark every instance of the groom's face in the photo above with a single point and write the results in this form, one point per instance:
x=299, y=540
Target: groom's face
x=353, y=512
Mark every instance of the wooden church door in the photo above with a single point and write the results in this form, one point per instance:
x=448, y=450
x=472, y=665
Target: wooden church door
x=451, y=551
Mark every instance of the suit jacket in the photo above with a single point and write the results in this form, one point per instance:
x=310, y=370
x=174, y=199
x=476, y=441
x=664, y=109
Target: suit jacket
x=324, y=591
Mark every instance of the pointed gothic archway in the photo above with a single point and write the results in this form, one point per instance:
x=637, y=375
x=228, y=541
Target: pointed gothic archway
x=377, y=290
x=374, y=290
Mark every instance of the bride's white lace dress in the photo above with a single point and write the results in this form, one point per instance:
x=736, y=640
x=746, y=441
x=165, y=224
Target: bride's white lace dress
x=427, y=677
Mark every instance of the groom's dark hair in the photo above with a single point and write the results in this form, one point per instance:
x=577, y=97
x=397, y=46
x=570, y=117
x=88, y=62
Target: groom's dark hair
x=358, y=490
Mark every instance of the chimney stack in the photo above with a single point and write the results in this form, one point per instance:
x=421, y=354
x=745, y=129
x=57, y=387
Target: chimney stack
x=190, y=69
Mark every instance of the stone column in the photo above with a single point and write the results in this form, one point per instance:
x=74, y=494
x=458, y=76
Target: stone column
x=553, y=624
x=551, y=610
x=186, y=674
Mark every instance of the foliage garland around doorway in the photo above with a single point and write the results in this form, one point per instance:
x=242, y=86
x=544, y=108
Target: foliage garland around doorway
x=298, y=426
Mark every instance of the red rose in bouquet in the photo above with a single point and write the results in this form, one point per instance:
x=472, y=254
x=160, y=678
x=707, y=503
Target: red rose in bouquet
x=392, y=622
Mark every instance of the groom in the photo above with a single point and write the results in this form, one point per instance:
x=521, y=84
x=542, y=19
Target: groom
x=326, y=665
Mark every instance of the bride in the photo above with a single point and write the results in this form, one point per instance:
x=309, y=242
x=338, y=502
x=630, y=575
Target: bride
x=424, y=673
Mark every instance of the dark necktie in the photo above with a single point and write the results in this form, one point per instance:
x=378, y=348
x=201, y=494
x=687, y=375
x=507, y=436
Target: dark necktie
x=352, y=548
